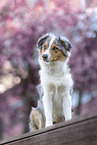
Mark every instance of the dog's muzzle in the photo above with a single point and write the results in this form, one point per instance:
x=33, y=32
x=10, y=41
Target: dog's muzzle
x=45, y=57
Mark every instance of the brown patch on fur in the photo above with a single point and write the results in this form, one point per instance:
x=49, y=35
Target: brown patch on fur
x=43, y=49
x=56, y=54
x=35, y=122
x=37, y=119
x=60, y=118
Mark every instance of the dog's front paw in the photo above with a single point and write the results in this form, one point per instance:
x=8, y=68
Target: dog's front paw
x=48, y=123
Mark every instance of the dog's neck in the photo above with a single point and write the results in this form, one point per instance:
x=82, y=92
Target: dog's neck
x=55, y=67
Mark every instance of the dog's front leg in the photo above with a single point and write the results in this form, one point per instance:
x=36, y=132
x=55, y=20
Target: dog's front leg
x=67, y=107
x=47, y=104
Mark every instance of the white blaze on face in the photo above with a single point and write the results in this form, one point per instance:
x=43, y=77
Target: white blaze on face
x=48, y=50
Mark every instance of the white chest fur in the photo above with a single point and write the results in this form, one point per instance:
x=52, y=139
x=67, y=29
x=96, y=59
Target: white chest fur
x=57, y=74
x=56, y=83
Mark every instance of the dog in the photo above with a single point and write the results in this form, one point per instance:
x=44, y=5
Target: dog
x=56, y=82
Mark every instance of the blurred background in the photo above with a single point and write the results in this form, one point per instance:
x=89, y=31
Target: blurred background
x=22, y=22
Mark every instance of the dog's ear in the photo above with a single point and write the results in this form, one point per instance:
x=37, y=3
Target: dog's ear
x=42, y=40
x=65, y=42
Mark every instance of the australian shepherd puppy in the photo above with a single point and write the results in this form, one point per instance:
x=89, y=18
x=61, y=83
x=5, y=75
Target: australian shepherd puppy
x=56, y=81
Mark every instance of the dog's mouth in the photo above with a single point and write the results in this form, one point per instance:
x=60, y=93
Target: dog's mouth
x=46, y=59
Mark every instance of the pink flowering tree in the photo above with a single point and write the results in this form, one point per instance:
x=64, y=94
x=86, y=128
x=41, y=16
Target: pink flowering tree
x=21, y=25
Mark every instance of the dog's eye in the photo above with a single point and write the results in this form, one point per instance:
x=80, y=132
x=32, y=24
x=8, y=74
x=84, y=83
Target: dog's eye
x=44, y=47
x=55, y=49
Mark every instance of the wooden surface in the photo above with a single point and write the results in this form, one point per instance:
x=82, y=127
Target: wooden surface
x=81, y=130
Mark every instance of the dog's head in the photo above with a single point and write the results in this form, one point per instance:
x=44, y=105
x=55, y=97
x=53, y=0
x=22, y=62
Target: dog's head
x=53, y=48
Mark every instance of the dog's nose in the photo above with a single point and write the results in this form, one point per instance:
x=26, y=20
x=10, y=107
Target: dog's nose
x=44, y=56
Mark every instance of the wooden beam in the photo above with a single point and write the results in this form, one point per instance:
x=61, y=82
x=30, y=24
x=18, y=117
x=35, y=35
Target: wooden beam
x=81, y=130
